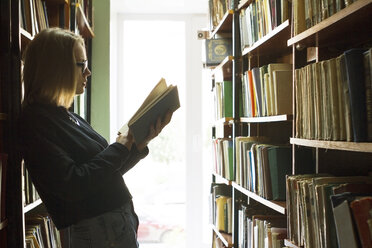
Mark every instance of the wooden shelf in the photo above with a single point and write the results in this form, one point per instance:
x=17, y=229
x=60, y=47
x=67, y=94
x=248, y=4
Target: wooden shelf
x=276, y=118
x=225, y=238
x=57, y=1
x=244, y=4
x=221, y=179
x=223, y=71
x=83, y=24
x=288, y=243
x=3, y=224
x=31, y=206
x=340, y=27
x=225, y=121
x=279, y=206
x=273, y=43
x=335, y=145
x=225, y=25
x=3, y=117
x=26, y=37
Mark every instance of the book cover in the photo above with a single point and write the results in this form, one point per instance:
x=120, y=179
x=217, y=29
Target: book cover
x=355, y=79
x=257, y=88
x=362, y=212
x=272, y=84
x=334, y=106
x=227, y=99
x=161, y=99
x=346, y=97
x=283, y=94
x=346, y=235
x=279, y=158
x=217, y=50
x=368, y=90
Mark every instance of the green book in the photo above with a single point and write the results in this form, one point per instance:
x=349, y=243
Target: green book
x=227, y=96
x=279, y=158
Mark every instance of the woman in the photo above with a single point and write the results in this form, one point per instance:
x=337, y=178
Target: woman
x=76, y=173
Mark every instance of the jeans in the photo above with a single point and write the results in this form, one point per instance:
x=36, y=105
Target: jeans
x=114, y=229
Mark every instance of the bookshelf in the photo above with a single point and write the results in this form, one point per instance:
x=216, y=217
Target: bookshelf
x=271, y=48
x=17, y=29
x=323, y=42
x=349, y=27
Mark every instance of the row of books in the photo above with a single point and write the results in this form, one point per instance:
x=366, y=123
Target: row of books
x=260, y=227
x=334, y=98
x=29, y=190
x=33, y=16
x=40, y=232
x=308, y=13
x=260, y=18
x=223, y=157
x=267, y=90
x=221, y=207
x=262, y=168
x=217, y=10
x=3, y=169
x=326, y=211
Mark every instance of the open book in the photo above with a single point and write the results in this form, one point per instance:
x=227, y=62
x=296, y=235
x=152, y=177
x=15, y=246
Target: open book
x=161, y=99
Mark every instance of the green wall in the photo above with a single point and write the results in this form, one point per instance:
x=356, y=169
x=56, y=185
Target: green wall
x=100, y=115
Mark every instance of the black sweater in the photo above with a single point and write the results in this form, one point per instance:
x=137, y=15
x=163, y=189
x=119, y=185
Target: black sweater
x=76, y=173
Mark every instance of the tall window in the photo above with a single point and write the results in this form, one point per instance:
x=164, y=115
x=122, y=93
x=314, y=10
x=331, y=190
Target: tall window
x=152, y=49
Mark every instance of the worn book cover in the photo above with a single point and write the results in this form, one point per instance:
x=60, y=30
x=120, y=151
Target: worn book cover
x=217, y=50
x=161, y=99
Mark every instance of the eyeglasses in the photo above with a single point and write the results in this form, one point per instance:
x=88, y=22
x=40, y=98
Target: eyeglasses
x=83, y=65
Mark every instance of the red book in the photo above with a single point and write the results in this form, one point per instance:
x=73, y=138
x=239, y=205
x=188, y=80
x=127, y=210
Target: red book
x=362, y=209
x=251, y=93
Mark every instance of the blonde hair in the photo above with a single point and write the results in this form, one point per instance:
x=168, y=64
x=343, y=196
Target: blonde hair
x=50, y=71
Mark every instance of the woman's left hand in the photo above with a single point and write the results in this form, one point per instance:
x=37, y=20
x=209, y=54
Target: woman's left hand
x=154, y=131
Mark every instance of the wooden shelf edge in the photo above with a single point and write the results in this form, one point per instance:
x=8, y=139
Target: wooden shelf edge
x=82, y=22
x=279, y=206
x=290, y=244
x=3, y=224
x=227, y=15
x=225, y=62
x=3, y=117
x=225, y=238
x=26, y=34
x=266, y=38
x=224, y=121
x=244, y=3
x=57, y=1
x=329, y=21
x=263, y=119
x=31, y=206
x=222, y=179
x=335, y=145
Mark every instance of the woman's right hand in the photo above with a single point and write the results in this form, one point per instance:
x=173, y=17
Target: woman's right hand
x=126, y=139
